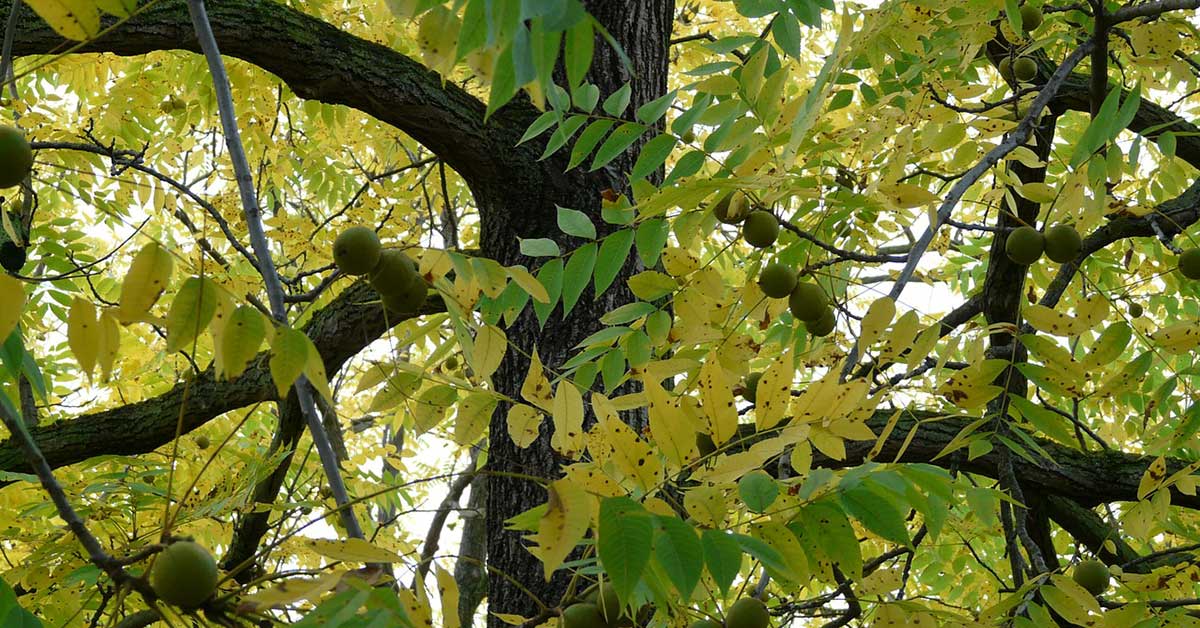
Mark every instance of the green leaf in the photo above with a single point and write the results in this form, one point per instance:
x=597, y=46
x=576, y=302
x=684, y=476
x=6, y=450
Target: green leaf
x=190, y=312
x=835, y=536
x=758, y=490
x=1097, y=132
x=563, y=134
x=625, y=537
x=621, y=139
x=576, y=223
x=11, y=613
x=654, y=154
x=617, y=101
x=550, y=274
x=763, y=553
x=587, y=141
x=686, y=166
x=580, y=47
x=586, y=96
x=289, y=353
x=876, y=513
x=628, y=313
x=504, y=84
x=577, y=275
x=614, y=250
x=650, y=112
x=678, y=550
x=539, y=126
x=722, y=556
x=540, y=247
x=612, y=369
x=651, y=238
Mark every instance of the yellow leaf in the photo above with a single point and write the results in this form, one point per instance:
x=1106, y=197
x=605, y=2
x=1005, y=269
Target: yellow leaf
x=12, y=301
x=510, y=619
x=907, y=195
x=523, y=423
x=536, y=388
x=290, y=591
x=1178, y=338
x=353, y=550
x=923, y=346
x=73, y=19
x=448, y=591
x=289, y=354
x=144, y=283
x=878, y=317
x=567, y=414
x=314, y=369
x=901, y=337
x=120, y=8
x=490, y=345
x=827, y=443
x=716, y=393
x=110, y=343
x=529, y=283
x=83, y=334
x=416, y=604
x=774, y=393
x=1051, y=321
x=490, y=275
x=615, y=442
x=706, y=504
x=568, y=513
x=674, y=437
x=240, y=339
x=472, y=417
x=1152, y=478
x=190, y=312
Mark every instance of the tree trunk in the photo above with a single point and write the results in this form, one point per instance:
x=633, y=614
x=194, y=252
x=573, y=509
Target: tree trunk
x=525, y=208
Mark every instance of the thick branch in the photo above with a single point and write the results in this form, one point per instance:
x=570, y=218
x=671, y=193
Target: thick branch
x=339, y=331
x=321, y=62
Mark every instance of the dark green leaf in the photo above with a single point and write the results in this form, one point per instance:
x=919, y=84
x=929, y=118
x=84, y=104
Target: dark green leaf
x=614, y=250
x=723, y=556
x=625, y=537
x=577, y=275
x=678, y=550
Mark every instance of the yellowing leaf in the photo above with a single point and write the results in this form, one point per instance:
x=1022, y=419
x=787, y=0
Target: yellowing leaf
x=314, y=368
x=144, y=283
x=353, y=550
x=907, y=195
x=674, y=437
x=416, y=604
x=110, y=343
x=616, y=443
x=73, y=19
x=1037, y=192
x=190, y=312
x=523, y=423
x=448, y=591
x=290, y=591
x=473, y=415
x=120, y=8
x=567, y=414
x=529, y=283
x=878, y=317
x=536, y=388
x=240, y=339
x=716, y=393
x=12, y=301
x=1152, y=478
x=490, y=345
x=83, y=334
x=289, y=354
x=1178, y=338
x=568, y=513
x=649, y=285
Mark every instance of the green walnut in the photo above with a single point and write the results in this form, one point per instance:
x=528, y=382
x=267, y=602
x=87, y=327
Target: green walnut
x=356, y=250
x=202, y=441
x=732, y=208
x=1006, y=69
x=409, y=301
x=184, y=574
x=761, y=229
x=1025, y=69
x=583, y=615
x=822, y=326
x=1025, y=245
x=747, y=612
x=608, y=602
x=1063, y=243
x=777, y=280
x=807, y=301
x=1189, y=264
x=1135, y=310
x=1092, y=575
x=705, y=623
x=1031, y=18
x=16, y=157
x=394, y=275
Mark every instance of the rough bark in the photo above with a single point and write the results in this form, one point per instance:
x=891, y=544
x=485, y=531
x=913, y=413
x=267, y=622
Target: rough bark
x=642, y=27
